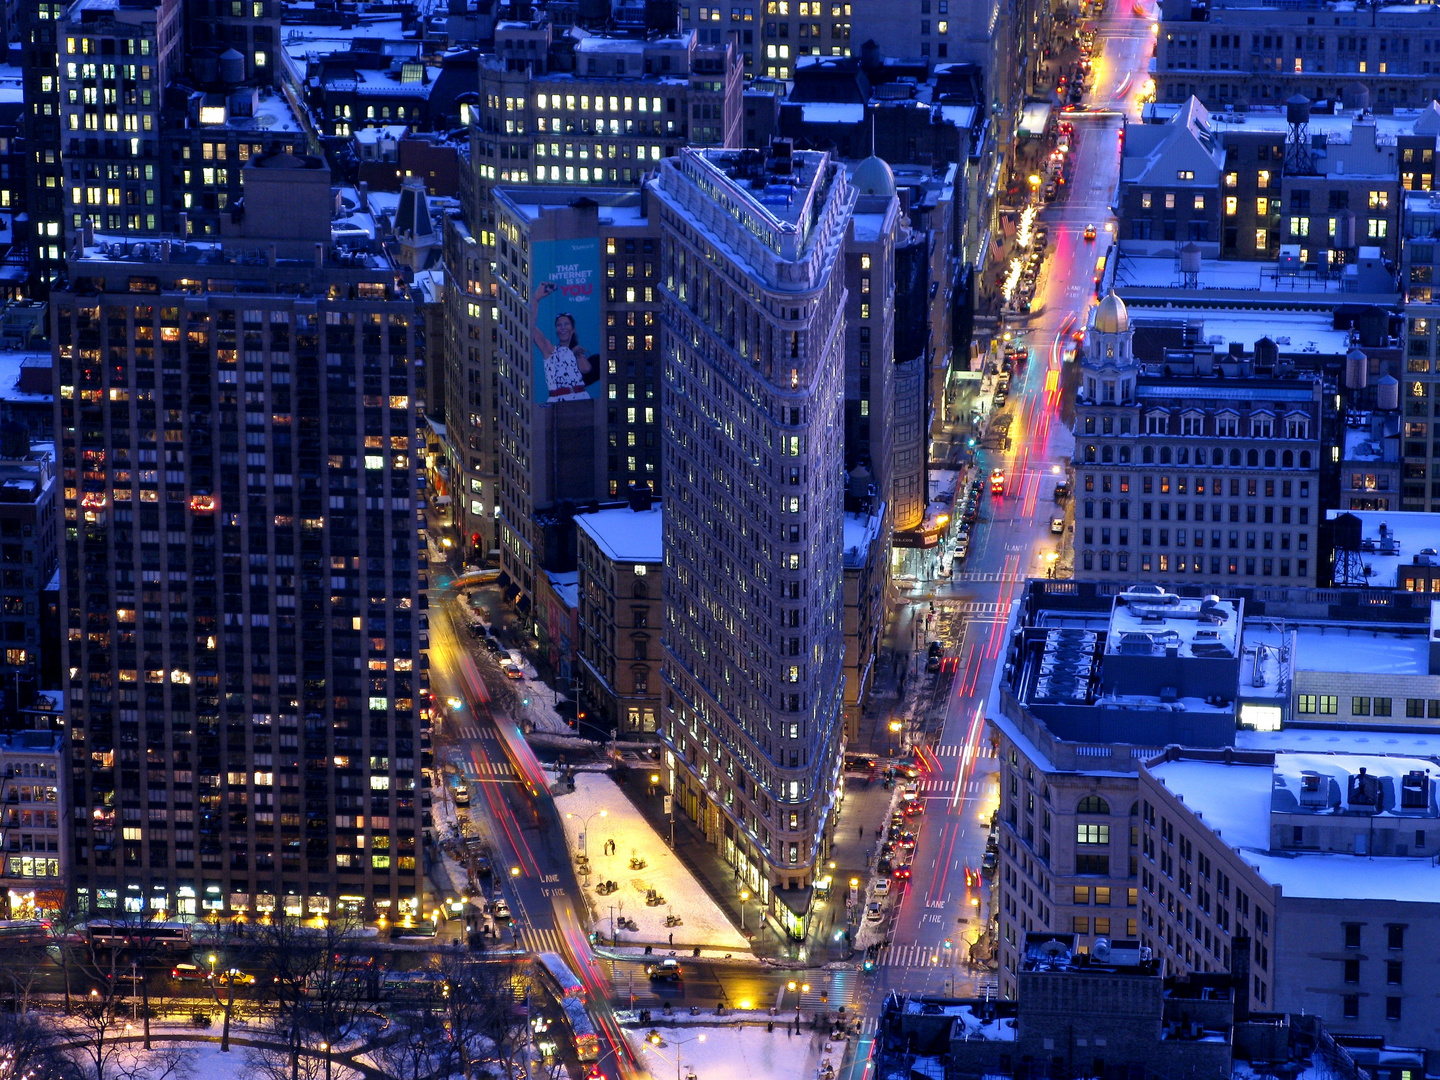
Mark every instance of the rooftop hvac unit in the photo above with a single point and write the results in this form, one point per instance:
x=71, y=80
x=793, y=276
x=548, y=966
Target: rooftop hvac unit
x=1415, y=791
x=1314, y=789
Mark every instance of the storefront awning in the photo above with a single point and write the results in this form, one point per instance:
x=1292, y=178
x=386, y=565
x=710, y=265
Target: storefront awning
x=1034, y=120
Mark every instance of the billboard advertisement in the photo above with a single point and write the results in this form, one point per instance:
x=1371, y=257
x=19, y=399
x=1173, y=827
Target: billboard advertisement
x=565, y=320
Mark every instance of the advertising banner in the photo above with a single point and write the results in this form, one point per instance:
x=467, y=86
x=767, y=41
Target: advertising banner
x=565, y=320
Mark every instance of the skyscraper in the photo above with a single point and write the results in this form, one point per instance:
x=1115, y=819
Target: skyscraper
x=752, y=394
x=242, y=588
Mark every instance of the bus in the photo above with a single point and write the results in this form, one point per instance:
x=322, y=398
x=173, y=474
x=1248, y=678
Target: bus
x=113, y=934
x=414, y=987
x=582, y=1029
x=24, y=932
x=559, y=979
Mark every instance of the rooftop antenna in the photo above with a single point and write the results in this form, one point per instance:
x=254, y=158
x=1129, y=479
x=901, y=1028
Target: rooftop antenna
x=872, y=133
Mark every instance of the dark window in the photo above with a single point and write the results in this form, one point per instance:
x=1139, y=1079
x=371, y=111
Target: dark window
x=1396, y=937
x=1352, y=935
x=1352, y=1006
x=1394, y=972
x=1352, y=971
x=1392, y=1008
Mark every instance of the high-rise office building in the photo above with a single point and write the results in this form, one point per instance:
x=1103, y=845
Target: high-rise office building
x=753, y=290
x=563, y=110
x=243, y=588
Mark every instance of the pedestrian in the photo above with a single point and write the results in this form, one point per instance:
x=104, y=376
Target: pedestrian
x=672, y=938
x=861, y=834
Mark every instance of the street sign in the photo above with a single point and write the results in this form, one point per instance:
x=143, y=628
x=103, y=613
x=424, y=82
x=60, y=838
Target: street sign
x=668, y=805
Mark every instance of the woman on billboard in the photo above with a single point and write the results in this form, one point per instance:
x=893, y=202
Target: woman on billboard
x=569, y=369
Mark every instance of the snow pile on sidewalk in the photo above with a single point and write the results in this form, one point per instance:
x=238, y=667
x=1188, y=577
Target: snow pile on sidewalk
x=702, y=921
x=737, y=1053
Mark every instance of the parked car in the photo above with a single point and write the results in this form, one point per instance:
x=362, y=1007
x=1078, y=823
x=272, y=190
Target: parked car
x=881, y=887
x=1057, y=525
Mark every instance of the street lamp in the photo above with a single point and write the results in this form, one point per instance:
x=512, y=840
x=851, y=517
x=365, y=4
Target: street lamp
x=211, y=958
x=895, y=728
x=325, y=1049
x=585, y=836
x=654, y=1042
x=744, y=896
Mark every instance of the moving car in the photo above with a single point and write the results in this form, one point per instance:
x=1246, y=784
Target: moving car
x=1057, y=525
x=189, y=973
x=455, y=702
x=500, y=909
x=1062, y=489
x=1090, y=231
x=667, y=970
x=236, y=976
x=997, y=482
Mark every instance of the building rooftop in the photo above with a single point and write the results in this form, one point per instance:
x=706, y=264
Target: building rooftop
x=1372, y=437
x=860, y=533
x=626, y=535
x=1236, y=799
x=777, y=186
x=1391, y=540
x=1052, y=952
x=1134, y=270
x=620, y=208
x=1152, y=623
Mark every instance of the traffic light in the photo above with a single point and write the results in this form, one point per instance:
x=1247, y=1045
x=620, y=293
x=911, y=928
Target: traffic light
x=869, y=964
x=475, y=540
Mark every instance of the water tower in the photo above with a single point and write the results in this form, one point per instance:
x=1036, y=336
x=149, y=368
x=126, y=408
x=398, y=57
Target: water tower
x=1298, y=160
x=1349, y=565
x=1190, y=266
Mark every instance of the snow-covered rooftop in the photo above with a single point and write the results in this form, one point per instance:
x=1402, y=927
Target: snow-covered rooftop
x=1409, y=538
x=626, y=535
x=1159, y=620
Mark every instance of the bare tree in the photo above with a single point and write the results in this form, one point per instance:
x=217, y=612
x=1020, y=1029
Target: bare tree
x=30, y=1048
x=322, y=982
x=484, y=1011
x=417, y=1046
x=21, y=965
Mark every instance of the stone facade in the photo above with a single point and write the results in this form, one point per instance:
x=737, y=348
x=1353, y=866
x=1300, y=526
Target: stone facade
x=754, y=321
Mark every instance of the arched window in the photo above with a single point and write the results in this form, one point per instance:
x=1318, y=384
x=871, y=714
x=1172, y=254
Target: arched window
x=1090, y=453
x=1182, y=456
x=1134, y=809
x=1269, y=459
x=1124, y=455
x=1287, y=459
x=1252, y=458
x=1235, y=457
x=1093, y=804
x=1304, y=459
x=1107, y=453
x=1165, y=455
x=1147, y=455
x=1217, y=456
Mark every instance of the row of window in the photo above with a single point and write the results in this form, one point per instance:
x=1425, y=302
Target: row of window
x=1167, y=455
x=1148, y=485
x=1265, y=540
x=1329, y=705
x=1180, y=564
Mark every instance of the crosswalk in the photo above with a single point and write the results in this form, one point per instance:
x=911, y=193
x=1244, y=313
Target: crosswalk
x=915, y=955
x=538, y=940
x=977, y=607
x=957, y=749
x=486, y=769
x=946, y=788
x=463, y=729
x=987, y=576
